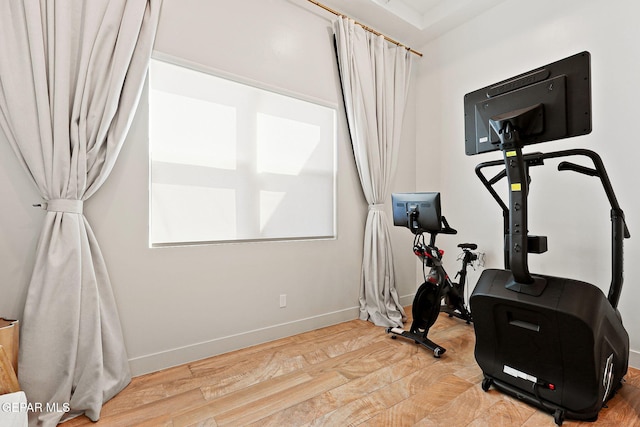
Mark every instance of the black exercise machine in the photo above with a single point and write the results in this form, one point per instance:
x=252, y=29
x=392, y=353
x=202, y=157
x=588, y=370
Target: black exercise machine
x=555, y=343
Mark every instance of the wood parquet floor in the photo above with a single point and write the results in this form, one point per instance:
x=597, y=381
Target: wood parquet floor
x=349, y=374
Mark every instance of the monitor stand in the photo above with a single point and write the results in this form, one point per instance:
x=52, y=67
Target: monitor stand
x=507, y=128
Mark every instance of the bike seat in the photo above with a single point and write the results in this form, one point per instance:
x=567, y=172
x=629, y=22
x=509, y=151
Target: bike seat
x=471, y=246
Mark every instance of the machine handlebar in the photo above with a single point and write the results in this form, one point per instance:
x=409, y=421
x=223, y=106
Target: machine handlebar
x=619, y=226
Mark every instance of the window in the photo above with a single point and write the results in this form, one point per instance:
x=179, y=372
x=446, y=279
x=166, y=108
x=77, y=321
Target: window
x=233, y=162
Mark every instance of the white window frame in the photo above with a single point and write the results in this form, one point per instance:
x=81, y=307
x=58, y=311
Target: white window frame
x=251, y=190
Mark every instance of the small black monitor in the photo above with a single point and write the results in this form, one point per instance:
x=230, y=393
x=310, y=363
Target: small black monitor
x=548, y=103
x=419, y=212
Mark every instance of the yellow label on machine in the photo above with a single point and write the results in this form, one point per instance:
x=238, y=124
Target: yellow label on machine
x=516, y=187
x=511, y=153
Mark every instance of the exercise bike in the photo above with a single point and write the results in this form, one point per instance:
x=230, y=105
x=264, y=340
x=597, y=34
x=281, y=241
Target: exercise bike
x=422, y=211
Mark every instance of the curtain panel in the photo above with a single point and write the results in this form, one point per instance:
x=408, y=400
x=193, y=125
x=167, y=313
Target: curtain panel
x=375, y=81
x=71, y=75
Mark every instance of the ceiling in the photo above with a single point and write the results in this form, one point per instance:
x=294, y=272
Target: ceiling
x=411, y=22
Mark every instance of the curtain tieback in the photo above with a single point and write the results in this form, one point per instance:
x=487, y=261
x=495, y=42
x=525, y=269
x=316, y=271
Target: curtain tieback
x=376, y=207
x=62, y=205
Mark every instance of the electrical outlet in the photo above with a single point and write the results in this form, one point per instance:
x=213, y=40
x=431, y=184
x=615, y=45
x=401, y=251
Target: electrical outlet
x=283, y=300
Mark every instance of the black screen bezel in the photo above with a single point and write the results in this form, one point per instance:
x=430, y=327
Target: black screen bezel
x=567, y=116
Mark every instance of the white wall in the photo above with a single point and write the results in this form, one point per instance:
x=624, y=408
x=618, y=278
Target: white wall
x=569, y=208
x=181, y=304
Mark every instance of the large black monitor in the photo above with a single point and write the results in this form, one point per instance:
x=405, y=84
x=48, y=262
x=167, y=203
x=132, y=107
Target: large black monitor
x=545, y=104
x=419, y=212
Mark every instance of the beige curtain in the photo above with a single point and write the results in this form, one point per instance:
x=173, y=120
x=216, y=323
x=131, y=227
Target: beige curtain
x=375, y=81
x=71, y=74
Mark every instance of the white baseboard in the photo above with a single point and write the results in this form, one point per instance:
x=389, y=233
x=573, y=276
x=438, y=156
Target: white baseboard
x=407, y=300
x=178, y=356
x=634, y=359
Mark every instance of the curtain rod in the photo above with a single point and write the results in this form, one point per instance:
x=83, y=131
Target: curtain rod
x=371, y=30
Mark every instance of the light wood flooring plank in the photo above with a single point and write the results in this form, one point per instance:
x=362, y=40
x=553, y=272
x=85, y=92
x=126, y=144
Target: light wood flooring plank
x=158, y=413
x=271, y=404
x=243, y=398
x=411, y=410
